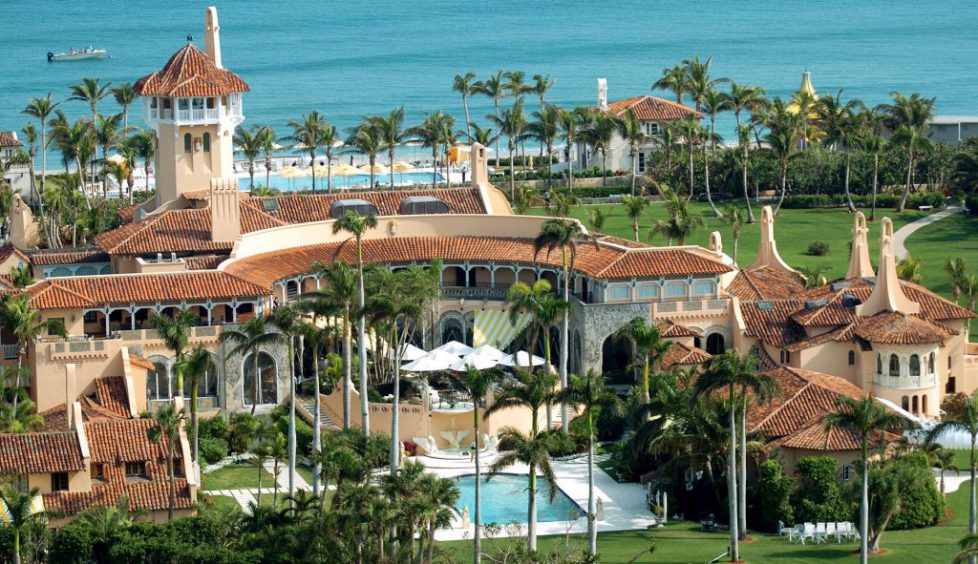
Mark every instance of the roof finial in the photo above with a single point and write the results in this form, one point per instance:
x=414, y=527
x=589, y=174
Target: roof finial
x=859, y=265
x=887, y=292
x=190, y=38
x=767, y=252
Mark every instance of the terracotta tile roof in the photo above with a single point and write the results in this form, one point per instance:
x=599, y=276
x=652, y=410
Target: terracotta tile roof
x=204, y=262
x=652, y=108
x=898, y=329
x=667, y=328
x=125, y=440
x=90, y=291
x=40, y=453
x=9, y=249
x=682, y=355
x=110, y=392
x=601, y=262
x=817, y=437
x=840, y=334
x=770, y=321
x=141, y=362
x=932, y=306
x=9, y=139
x=765, y=283
x=68, y=256
x=190, y=72
x=143, y=496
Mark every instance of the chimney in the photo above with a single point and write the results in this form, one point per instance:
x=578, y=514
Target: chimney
x=716, y=243
x=767, y=252
x=859, y=264
x=212, y=37
x=603, y=93
x=70, y=395
x=887, y=292
x=225, y=209
x=479, y=165
x=24, y=233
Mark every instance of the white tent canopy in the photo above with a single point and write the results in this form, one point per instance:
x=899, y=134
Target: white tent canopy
x=454, y=347
x=522, y=358
x=488, y=351
x=409, y=352
x=476, y=361
x=432, y=362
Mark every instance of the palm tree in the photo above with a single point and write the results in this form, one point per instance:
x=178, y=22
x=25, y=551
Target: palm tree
x=907, y=118
x=431, y=133
x=870, y=139
x=247, y=338
x=175, y=333
x=476, y=384
x=783, y=133
x=542, y=83
x=534, y=451
x=266, y=140
x=441, y=495
x=30, y=139
x=814, y=276
x=675, y=80
x=41, y=109
x=544, y=128
x=307, y=135
x=692, y=133
x=168, y=421
x=192, y=369
x=90, y=90
x=318, y=338
x=21, y=417
x=648, y=349
x=681, y=222
x=964, y=421
x=124, y=96
x=635, y=207
x=941, y=458
x=21, y=319
x=77, y=143
x=970, y=289
x=365, y=139
x=744, y=98
x=910, y=269
x=145, y=142
x=465, y=85
x=698, y=81
x=106, y=136
x=956, y=270
x=715, y=102
x=391, y=133
x=969, y=549
x=569, y=122
x=495, y=88
x=564, y=235
x=20, y=514
x=590, y=393
x=129, y=152
x=357, y=225
x=331, y=140
x=511, y=123
x=631, y=130
x=866, y=418
x=262, y=446
x=840, y=123
x=734, y=217
x=595, y=220
x=600, y=132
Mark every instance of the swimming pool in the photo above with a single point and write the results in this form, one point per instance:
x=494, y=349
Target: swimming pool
x=362, y=180
x=504, y=500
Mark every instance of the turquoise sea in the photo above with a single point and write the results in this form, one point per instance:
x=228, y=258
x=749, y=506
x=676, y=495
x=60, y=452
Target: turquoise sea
x=348, y=59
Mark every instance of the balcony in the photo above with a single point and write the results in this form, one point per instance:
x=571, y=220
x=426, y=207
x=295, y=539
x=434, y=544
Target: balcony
x=690, y=307
x=905, y=382
x=475, y=292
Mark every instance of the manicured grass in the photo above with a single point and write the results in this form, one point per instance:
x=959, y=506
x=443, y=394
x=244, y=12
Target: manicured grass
x=235, y=477
x=684, y=542
x=793, y=229
x=223, y=501
x=305, y=472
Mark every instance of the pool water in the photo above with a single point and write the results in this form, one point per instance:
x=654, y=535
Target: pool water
x=361, y=180
x=504, y=500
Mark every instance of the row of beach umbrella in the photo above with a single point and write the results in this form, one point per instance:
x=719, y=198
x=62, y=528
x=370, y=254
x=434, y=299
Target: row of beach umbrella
x=344, y=170
x=459, y=357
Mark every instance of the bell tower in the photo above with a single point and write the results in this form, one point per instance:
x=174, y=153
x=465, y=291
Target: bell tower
x=193, y=104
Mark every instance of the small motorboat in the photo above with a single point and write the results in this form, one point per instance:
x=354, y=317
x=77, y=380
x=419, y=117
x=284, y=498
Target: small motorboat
x=78, y=54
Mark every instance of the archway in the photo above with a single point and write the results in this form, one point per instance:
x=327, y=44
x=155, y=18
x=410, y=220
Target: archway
x=715, y=344
x=616, y=356
x=158, y=385
x=266, y=392
x=452, y=330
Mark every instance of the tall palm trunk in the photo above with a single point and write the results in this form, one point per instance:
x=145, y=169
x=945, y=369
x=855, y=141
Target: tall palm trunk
x=512, y=172
x=732, y=480
x=849, y=204
x=876, y=172
x=592, y=517
x=564, y=338
x=864, y=508
x=972, y=508
x=317, y=417
x=604, y=167
x=395, y=455
x=434, y=167
x=173, y=491
x=268, y=171
x=742, y=484
x=292, y=438
x=692, y=176
x=531, y=509
x=784, y=186
x=634, y=169
x=468, y=121
x=547, y=357
x=477, y=545
x=362, y=346
x=706, y=180
x=312, y=166
x=195, y=428
x=257, y=397
x=570, y=166
x=750, y=210
x=390, y=157
x=906, y=188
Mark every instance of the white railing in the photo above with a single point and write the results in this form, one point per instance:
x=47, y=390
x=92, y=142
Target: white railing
x=905, y=382
x=9, y=352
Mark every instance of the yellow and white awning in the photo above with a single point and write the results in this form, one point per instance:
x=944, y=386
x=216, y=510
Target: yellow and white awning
x=493, y=327
x=37, y=508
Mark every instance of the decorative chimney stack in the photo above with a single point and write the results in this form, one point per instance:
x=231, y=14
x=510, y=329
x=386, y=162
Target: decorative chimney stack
x=479, y=165
x=859, y=264
x=716, y=243
x=887, y=292
x=603, y=93
x=767, y=253
x=225, y=209
x=70, y=396
x=212, y=37
x=24, y=232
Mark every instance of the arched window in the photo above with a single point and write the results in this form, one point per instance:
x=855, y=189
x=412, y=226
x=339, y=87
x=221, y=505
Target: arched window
x=158, y=382
x=207, y=142
x=265, y=392
x=923, y=404
x=187, y=143
x=905, y=403
x=932, y=363
x=916, y=404
x=914, y=365
x=879, y=364
x=894, y=366
x=207, y=386
x=715, y=344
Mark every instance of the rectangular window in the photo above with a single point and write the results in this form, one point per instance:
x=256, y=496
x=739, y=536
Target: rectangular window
x=648, y=291
x=651, y=128
x=703, y=288
x=676, y=290
x=951, y=387
x=618, y=292
x=183, y=103
x=847, y=472
x=136, y=469
x=98, y=472
x=641, y=162
x=852, y=358
x=59, y=481
x=21, y=483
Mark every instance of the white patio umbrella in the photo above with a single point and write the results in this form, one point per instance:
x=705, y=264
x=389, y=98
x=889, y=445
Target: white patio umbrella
x=522, y=358
x=432, y=362
x=454, y=347
x=410, y=352
x=472, y=360
x=488, y=351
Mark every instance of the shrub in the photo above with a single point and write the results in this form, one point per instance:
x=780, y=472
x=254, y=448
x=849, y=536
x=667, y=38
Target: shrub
x=411, y=448
x=972, y=203
x=818, y=497
x=212, y=449
x=953, y=405
x=215, y=427
x=921, y=504
x=774, y=495
x=818, y=248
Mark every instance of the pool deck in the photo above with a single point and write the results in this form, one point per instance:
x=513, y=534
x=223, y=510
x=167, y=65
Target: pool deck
x=624, y=504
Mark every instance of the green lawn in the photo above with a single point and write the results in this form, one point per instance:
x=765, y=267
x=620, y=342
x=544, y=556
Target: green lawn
x=793, y=229
x=684, y=542
x=305, y=472
x=951, y=237
x=235, y=477
x=223, y=501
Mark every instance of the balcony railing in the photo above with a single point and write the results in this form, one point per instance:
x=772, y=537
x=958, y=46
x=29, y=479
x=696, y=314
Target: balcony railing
x=905, y=382
x=694, y=306
x=475, y=292
x=9, y=352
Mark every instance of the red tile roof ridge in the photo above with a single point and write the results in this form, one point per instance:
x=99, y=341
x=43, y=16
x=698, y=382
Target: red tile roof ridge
x=629, y=103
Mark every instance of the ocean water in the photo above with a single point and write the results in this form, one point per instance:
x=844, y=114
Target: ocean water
x=349, y=59
x=504, y=500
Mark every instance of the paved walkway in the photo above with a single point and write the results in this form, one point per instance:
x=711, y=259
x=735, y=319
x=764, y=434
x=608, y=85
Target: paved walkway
x=900, y=236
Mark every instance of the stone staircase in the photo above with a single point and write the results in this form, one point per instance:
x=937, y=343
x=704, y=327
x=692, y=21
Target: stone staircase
x=306, y=406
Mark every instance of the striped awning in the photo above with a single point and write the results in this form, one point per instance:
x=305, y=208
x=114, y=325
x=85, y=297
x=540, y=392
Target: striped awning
x=37, y=508
x=493, y=327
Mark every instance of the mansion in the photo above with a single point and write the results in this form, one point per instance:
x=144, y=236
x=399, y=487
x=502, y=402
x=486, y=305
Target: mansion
x=202, y=245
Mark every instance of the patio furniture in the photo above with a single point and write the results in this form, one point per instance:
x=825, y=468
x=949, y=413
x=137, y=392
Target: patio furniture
x=807, y=532
x=794, y=532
